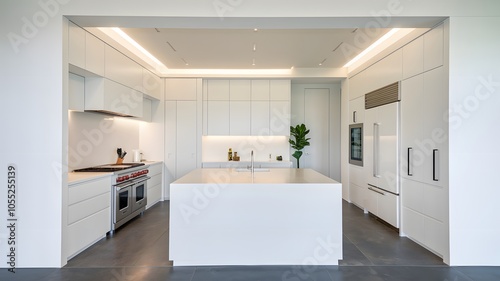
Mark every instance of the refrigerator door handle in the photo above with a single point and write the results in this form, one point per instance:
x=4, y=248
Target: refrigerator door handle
x=354, y=116
x=376, y=147
x=410, y=155
x=435, y=165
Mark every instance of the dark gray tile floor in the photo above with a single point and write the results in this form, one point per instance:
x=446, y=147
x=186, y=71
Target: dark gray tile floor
x=372, y=252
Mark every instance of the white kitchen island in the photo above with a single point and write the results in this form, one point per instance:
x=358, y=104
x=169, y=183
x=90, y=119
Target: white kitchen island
x=276, y=217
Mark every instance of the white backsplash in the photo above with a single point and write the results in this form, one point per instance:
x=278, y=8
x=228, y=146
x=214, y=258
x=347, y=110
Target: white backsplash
x=215, y=148
x=94, y=138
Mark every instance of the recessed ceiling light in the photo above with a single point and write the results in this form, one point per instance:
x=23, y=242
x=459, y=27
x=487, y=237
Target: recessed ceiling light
x=185, y=62
x=253, y=62
x=254, y=47
x=255, y=30
x=321, y=63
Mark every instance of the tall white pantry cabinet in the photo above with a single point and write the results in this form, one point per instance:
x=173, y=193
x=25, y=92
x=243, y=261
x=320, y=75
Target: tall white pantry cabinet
x=182, y=128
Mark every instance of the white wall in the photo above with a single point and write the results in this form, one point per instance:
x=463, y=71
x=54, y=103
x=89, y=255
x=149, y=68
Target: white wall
x=94, y=138
x=33, y=106
x=474, y=102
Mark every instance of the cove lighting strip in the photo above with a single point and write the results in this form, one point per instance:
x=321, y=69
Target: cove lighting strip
x=400, y=32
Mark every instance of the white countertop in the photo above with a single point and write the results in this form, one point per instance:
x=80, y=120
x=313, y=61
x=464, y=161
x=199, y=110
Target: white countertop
x=79, y=177
x=272, y=176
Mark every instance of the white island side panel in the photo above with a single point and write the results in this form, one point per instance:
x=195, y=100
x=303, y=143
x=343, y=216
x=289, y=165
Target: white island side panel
x=255, y=223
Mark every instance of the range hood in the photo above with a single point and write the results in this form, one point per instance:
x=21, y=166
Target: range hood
x=111, y=98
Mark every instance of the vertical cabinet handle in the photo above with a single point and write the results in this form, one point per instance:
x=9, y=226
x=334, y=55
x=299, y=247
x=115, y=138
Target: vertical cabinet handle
x=410, y=155
x=354, y=116
x=435, y=165
x=375, y=149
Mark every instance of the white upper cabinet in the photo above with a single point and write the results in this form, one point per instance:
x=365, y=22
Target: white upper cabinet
x=218, y=118
x=151, y=85
x=260, y=90
x=218, y=90
x=279, y=118
x=94, y=54
x=280, y=90
x=76, y=92
x=240, y=89
x=122, y=69
x=413, y=58
x=239, y=118
x=260, y=118
x=180, y=89
x=243, y=107
x=357, y=110
x=76, y=45
x=434, y=48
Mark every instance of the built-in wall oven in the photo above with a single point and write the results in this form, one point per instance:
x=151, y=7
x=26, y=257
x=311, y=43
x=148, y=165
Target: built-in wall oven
x=356, y=144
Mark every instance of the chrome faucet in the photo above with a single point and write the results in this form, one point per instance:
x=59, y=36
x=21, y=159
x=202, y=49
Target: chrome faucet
x=251, y=162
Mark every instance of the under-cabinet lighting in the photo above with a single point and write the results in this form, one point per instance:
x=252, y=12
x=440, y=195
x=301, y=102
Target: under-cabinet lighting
x=372, y=46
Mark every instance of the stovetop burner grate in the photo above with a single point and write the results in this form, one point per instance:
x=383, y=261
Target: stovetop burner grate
x=110, y=167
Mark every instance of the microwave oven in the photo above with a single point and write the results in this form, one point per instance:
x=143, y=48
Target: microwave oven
x=356, y=144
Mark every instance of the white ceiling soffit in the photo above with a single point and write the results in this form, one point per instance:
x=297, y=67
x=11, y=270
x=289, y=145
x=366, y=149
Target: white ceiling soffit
x=279, y=43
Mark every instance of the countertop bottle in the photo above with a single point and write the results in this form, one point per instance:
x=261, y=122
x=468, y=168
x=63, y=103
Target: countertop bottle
x=230, y=155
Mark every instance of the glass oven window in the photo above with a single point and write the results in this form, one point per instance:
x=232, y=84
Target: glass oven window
x=123, y=200
x=139, y=193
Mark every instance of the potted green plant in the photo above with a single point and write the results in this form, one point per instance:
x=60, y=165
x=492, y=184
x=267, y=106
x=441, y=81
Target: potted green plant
x=299, y=132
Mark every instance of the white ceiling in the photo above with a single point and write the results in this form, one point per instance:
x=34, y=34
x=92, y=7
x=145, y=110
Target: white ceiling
x=234, y=48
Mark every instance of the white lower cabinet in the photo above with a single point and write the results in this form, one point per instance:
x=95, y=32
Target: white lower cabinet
x=154, y=184
x=424, y=214
x=89, y=214
x=383, y=204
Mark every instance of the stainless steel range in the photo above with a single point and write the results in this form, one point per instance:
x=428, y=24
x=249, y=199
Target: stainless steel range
x=128, y=190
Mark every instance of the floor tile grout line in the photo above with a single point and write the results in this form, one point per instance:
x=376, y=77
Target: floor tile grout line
x=356, y=246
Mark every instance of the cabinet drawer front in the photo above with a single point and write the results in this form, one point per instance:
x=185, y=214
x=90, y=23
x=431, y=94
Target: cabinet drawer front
x=388, y=208
x=88, y=207
x=434, y=235
x=86, y=190
x=413, y=225
x=155, y=180
x=155, y=169
x=154, y=195
x=83, y=233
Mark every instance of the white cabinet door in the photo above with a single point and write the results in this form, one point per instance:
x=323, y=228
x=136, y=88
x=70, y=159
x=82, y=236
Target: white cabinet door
x=434, y=48
x=413, y=58
x=218, y=118
x=280, y=90
x=434, y=141
x=260, y=118
x=239, y=118
x=180, y=89
x=279, y=122
x=240, y=90
x=76, y=92
x=218, y=89
x=122, y=69
x=260, y=90
x=94, y=54
x=412, y=103
x=357, y=110
x=170, y=144
x=186, y=137
x=152, y=85
x=76, y=45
